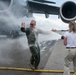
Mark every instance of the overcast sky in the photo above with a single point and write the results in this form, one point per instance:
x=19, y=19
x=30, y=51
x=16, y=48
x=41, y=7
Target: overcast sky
x=52, y=22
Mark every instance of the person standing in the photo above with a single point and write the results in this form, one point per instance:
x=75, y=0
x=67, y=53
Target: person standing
x=32, y=37
x=70, y=42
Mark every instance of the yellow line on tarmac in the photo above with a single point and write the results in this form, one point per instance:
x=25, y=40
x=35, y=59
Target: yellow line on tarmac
x=30, y=70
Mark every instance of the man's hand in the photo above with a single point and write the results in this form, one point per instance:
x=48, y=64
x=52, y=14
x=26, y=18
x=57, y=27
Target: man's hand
x=54, y=30
x=23, y=25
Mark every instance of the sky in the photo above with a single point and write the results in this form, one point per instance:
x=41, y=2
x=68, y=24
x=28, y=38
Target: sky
x=52, y=22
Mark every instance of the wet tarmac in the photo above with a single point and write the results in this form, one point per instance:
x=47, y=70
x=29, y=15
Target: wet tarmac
x=15, y=53
x=55, y=63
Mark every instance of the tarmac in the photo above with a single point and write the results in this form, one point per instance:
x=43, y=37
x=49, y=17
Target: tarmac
x=55, y=63
x=52, y=63
x=15, y=56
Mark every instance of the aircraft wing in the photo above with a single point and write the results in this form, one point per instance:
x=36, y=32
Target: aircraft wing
x=21, y=8
x=67, y=12
x=13, y=12
x=39, y=7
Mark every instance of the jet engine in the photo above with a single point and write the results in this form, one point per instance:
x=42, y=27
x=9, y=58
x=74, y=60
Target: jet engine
x=5, y=4
x=22, y=8
x=68, y=11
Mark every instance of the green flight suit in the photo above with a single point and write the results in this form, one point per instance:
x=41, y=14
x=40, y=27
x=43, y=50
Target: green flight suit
x=33, y=46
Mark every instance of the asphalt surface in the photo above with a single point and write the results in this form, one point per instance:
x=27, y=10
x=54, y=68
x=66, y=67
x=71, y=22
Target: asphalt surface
x=56, y=60
x=15, y=53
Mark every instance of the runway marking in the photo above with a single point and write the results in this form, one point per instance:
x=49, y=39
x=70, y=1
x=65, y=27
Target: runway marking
x=30, y=70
